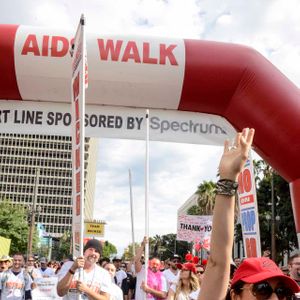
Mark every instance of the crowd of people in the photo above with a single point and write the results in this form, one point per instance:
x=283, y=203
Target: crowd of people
x=94, y=277
x=174, y=279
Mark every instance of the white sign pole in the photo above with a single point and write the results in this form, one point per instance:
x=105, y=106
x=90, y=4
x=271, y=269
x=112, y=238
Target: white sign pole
x=132, y=214
x=147, y=198
x=248, y=210
x=79, y=83
x=78, y=134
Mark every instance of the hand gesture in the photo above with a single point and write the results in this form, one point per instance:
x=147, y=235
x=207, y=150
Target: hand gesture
x=234, y=158
x=145, y=241
x=78, y=263
x=144, y=287
x=81, y=286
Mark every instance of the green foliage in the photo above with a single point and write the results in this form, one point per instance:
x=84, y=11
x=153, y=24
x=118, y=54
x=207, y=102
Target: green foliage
x=128, y=253
x=164, y=247
x=194, y=210
x=285, y=231
x=109, y=249
x=14, y=226
x=206, y=197
x=62, y=248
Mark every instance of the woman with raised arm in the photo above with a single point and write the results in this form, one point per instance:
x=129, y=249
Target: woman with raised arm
x=216, y=277
x=255, y=278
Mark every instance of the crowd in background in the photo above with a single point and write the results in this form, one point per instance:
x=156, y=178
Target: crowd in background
x=177, y=278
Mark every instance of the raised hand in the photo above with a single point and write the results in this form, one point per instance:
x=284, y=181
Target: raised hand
x=234, y=157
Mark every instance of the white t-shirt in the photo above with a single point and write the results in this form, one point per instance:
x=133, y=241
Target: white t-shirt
x=48, y=272
x=120, y=275
x=34, y=272
x=192, y=296
x=97, y=279
x=13, y=286
x=140, y=277
x=115, y=292
x=171, y=277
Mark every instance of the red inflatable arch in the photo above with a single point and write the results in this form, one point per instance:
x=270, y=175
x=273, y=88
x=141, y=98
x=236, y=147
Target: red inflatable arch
x=232, y=81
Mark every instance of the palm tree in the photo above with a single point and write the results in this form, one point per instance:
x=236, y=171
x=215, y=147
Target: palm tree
x=206, y=197
x=156, y=243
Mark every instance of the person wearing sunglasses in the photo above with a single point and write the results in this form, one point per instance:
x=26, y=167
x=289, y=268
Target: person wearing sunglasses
x=199, y=273
x=256, y=278
x=261, y=279
x=187, y=287
x=172, y=273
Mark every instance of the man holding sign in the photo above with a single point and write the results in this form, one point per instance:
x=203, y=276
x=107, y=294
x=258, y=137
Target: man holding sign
x=95, y=282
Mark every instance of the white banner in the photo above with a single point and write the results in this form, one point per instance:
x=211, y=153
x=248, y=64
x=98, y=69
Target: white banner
x=46, y=289
x=27, y=117
x=123, y=70
x=249, y=211
x=78, y=85
x=195, y=229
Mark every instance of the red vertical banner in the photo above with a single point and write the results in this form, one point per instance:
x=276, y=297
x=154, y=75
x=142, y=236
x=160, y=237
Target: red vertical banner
x=78, y=86
x=248, y=210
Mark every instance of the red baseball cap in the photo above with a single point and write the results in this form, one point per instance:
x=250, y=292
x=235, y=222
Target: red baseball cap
x=256, y=269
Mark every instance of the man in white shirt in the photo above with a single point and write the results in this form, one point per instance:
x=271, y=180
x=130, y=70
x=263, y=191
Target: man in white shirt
x=44, y=270
x=120, y=274
x=16, y=283
x=95, y=282
x=172, y=273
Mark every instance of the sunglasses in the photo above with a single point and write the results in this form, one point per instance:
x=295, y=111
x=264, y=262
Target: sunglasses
x=263, y=291
x=199, y=272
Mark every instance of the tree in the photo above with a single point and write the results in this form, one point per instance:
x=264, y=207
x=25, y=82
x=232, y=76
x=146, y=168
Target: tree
x=14, y=225
x=62, y=247
x=194, y=210
x=286, y=238
x=128, y=253
x=169, y=246
x=206, y=197
x=109, y=249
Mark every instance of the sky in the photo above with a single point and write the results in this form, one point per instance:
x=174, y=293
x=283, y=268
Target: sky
x=270, y=27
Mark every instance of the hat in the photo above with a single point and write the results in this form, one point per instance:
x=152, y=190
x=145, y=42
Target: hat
x=5, y=258
x=43, y=260
x=175, y=256
x=93, y=243
x=117, y=258
x=256, y=269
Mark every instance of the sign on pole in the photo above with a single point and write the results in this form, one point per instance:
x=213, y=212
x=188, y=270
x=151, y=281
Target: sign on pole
x=79, y=83
x=248, y=210
x=94, y=229
x=197, y=229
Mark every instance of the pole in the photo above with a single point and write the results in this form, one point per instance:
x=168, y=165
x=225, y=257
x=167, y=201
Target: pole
x=175, y=246
x=132, y=215
x=146, y=198
x=273, y=242
x=32, y=212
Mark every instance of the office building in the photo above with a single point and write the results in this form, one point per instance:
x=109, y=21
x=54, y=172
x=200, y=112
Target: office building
x=20, y=157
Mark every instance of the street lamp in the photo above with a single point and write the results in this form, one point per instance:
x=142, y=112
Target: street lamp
x=273, y=241
x=32, y=210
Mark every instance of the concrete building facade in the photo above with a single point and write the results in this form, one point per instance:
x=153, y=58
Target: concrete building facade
x=20, y=157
